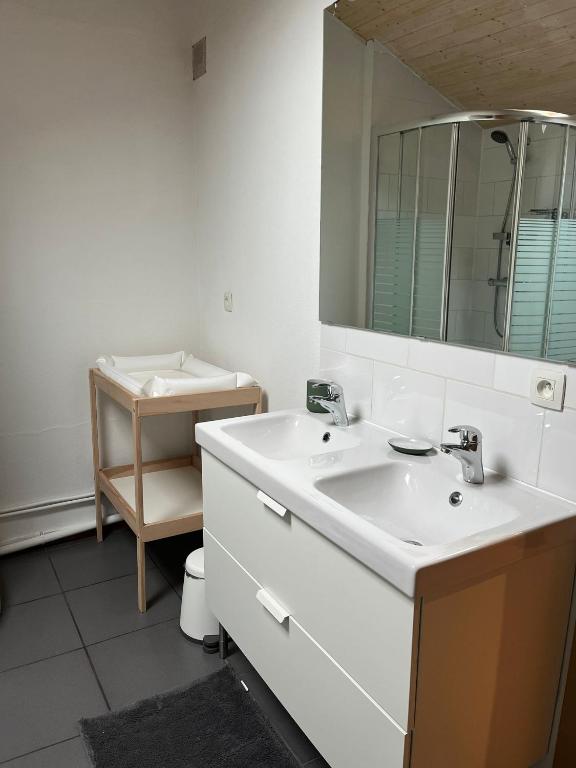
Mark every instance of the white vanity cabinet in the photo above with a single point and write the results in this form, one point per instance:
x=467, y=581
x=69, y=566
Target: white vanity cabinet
x=329, y=637
x=464, y=674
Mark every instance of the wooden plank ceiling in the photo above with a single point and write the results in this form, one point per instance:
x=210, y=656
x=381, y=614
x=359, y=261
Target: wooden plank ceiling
x=479, y=53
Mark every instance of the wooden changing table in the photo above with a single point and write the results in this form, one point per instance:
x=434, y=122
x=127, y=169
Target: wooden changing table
x=173, y=486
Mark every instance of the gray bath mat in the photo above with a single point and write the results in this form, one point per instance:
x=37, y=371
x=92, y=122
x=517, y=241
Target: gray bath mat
x=213, y=723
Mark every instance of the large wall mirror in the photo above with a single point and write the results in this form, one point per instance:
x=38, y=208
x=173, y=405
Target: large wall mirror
x=458, y=227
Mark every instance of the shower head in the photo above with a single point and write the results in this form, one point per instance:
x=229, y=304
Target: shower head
x=501, y=137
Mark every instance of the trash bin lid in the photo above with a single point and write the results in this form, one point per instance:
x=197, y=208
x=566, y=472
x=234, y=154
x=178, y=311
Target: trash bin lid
x=195, y=563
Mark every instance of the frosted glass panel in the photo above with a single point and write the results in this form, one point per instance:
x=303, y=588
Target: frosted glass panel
x=561, y=337
x=410, y=231
x=536, y=238
x=543, y=318
x=431, y=231
x=394, y=235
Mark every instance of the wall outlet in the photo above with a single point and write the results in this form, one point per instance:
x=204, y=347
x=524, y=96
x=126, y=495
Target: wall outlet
x=228, y=306
x=548, y=388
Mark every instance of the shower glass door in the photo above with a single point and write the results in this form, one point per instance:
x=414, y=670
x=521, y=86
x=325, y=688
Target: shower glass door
x=543, y=309
x=410, y=231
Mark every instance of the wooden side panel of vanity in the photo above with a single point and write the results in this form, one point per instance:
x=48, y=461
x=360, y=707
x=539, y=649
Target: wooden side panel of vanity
x=566, y=745
x=489, y=664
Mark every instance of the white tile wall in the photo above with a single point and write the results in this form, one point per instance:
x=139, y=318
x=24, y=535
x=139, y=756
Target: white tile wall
x=420, y=389
x=378, y=346
x=558, y=452
x=355, y=374
x=408, y=402
x=460, y=363
x=511, y=426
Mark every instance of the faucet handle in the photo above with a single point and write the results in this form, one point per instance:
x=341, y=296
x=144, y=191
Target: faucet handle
x=324, y=388
x=469, y=435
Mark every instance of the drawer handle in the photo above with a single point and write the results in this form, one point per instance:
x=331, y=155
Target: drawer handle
x=272, y=606
x=271, y=504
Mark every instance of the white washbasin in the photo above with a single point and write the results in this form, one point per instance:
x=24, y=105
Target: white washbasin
x=388, y=510
x=412, y=502
x=291, y=436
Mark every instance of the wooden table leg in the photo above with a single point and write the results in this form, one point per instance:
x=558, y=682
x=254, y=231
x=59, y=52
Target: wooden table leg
x=139, y=496
x=141, y=552
x=258, y=404
x=96, y=455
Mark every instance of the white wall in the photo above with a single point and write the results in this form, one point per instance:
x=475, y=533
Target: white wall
x=257, y=133
x=96, y=236
x=400, y=95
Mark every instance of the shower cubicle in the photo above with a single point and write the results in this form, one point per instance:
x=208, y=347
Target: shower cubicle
x=475, y=232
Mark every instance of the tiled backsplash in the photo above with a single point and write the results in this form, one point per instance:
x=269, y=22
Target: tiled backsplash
x=420, y=389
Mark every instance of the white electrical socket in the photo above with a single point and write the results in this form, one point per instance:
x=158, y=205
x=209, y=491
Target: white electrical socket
x=548, y=388
x=228, y=301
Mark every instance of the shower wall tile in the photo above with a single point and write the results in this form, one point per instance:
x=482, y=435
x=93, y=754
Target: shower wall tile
x=547, y=192
x=482, y=296
x=464, y=231
x=485, y=263
x=486, y=198
x=486, y=227
x=544, y=156
x=501, y=194
x=528, y=194
x=495, y=165
x=461, y=293
x=462, y=263
x=466, y=197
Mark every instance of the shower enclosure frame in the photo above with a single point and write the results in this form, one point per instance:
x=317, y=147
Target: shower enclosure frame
x=524, y=118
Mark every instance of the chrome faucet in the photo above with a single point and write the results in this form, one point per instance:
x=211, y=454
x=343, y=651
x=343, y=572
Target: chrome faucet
x=327, y=396
x=468, y=452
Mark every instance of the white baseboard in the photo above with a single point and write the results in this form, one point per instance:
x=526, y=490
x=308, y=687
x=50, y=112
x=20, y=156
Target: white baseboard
x=39, y=524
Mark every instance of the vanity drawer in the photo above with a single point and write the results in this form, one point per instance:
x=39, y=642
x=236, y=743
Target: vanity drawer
x=337, y=716
x=363, y=622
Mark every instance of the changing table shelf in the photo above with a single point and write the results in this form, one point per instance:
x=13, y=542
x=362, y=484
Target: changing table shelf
x=161, y=498
x=172, y=496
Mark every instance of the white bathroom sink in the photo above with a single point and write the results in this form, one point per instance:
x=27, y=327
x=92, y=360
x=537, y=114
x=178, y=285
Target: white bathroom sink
x=291, y=436
x=417, y=504
x=390, y=511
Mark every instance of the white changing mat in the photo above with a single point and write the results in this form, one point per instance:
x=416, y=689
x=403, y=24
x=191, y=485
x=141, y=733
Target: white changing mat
x=172, y=374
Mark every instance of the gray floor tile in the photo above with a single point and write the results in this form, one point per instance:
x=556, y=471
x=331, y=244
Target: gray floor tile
x=41, y=704
x=109, y=609
x=148, y=662
x=68, y=754
x=284, y=725
x=36, y=630
x=27, y=576
x=170, y=555
x=82, y=562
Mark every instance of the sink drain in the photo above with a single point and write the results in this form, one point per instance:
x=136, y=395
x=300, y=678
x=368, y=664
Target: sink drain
x=413, y=542
x=455, y=498
x=326, y=437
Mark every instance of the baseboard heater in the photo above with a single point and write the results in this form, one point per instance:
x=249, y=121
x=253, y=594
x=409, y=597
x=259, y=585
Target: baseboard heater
x=31, y=525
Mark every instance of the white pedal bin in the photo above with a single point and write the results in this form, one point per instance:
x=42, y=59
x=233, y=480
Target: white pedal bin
x=196, y=620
